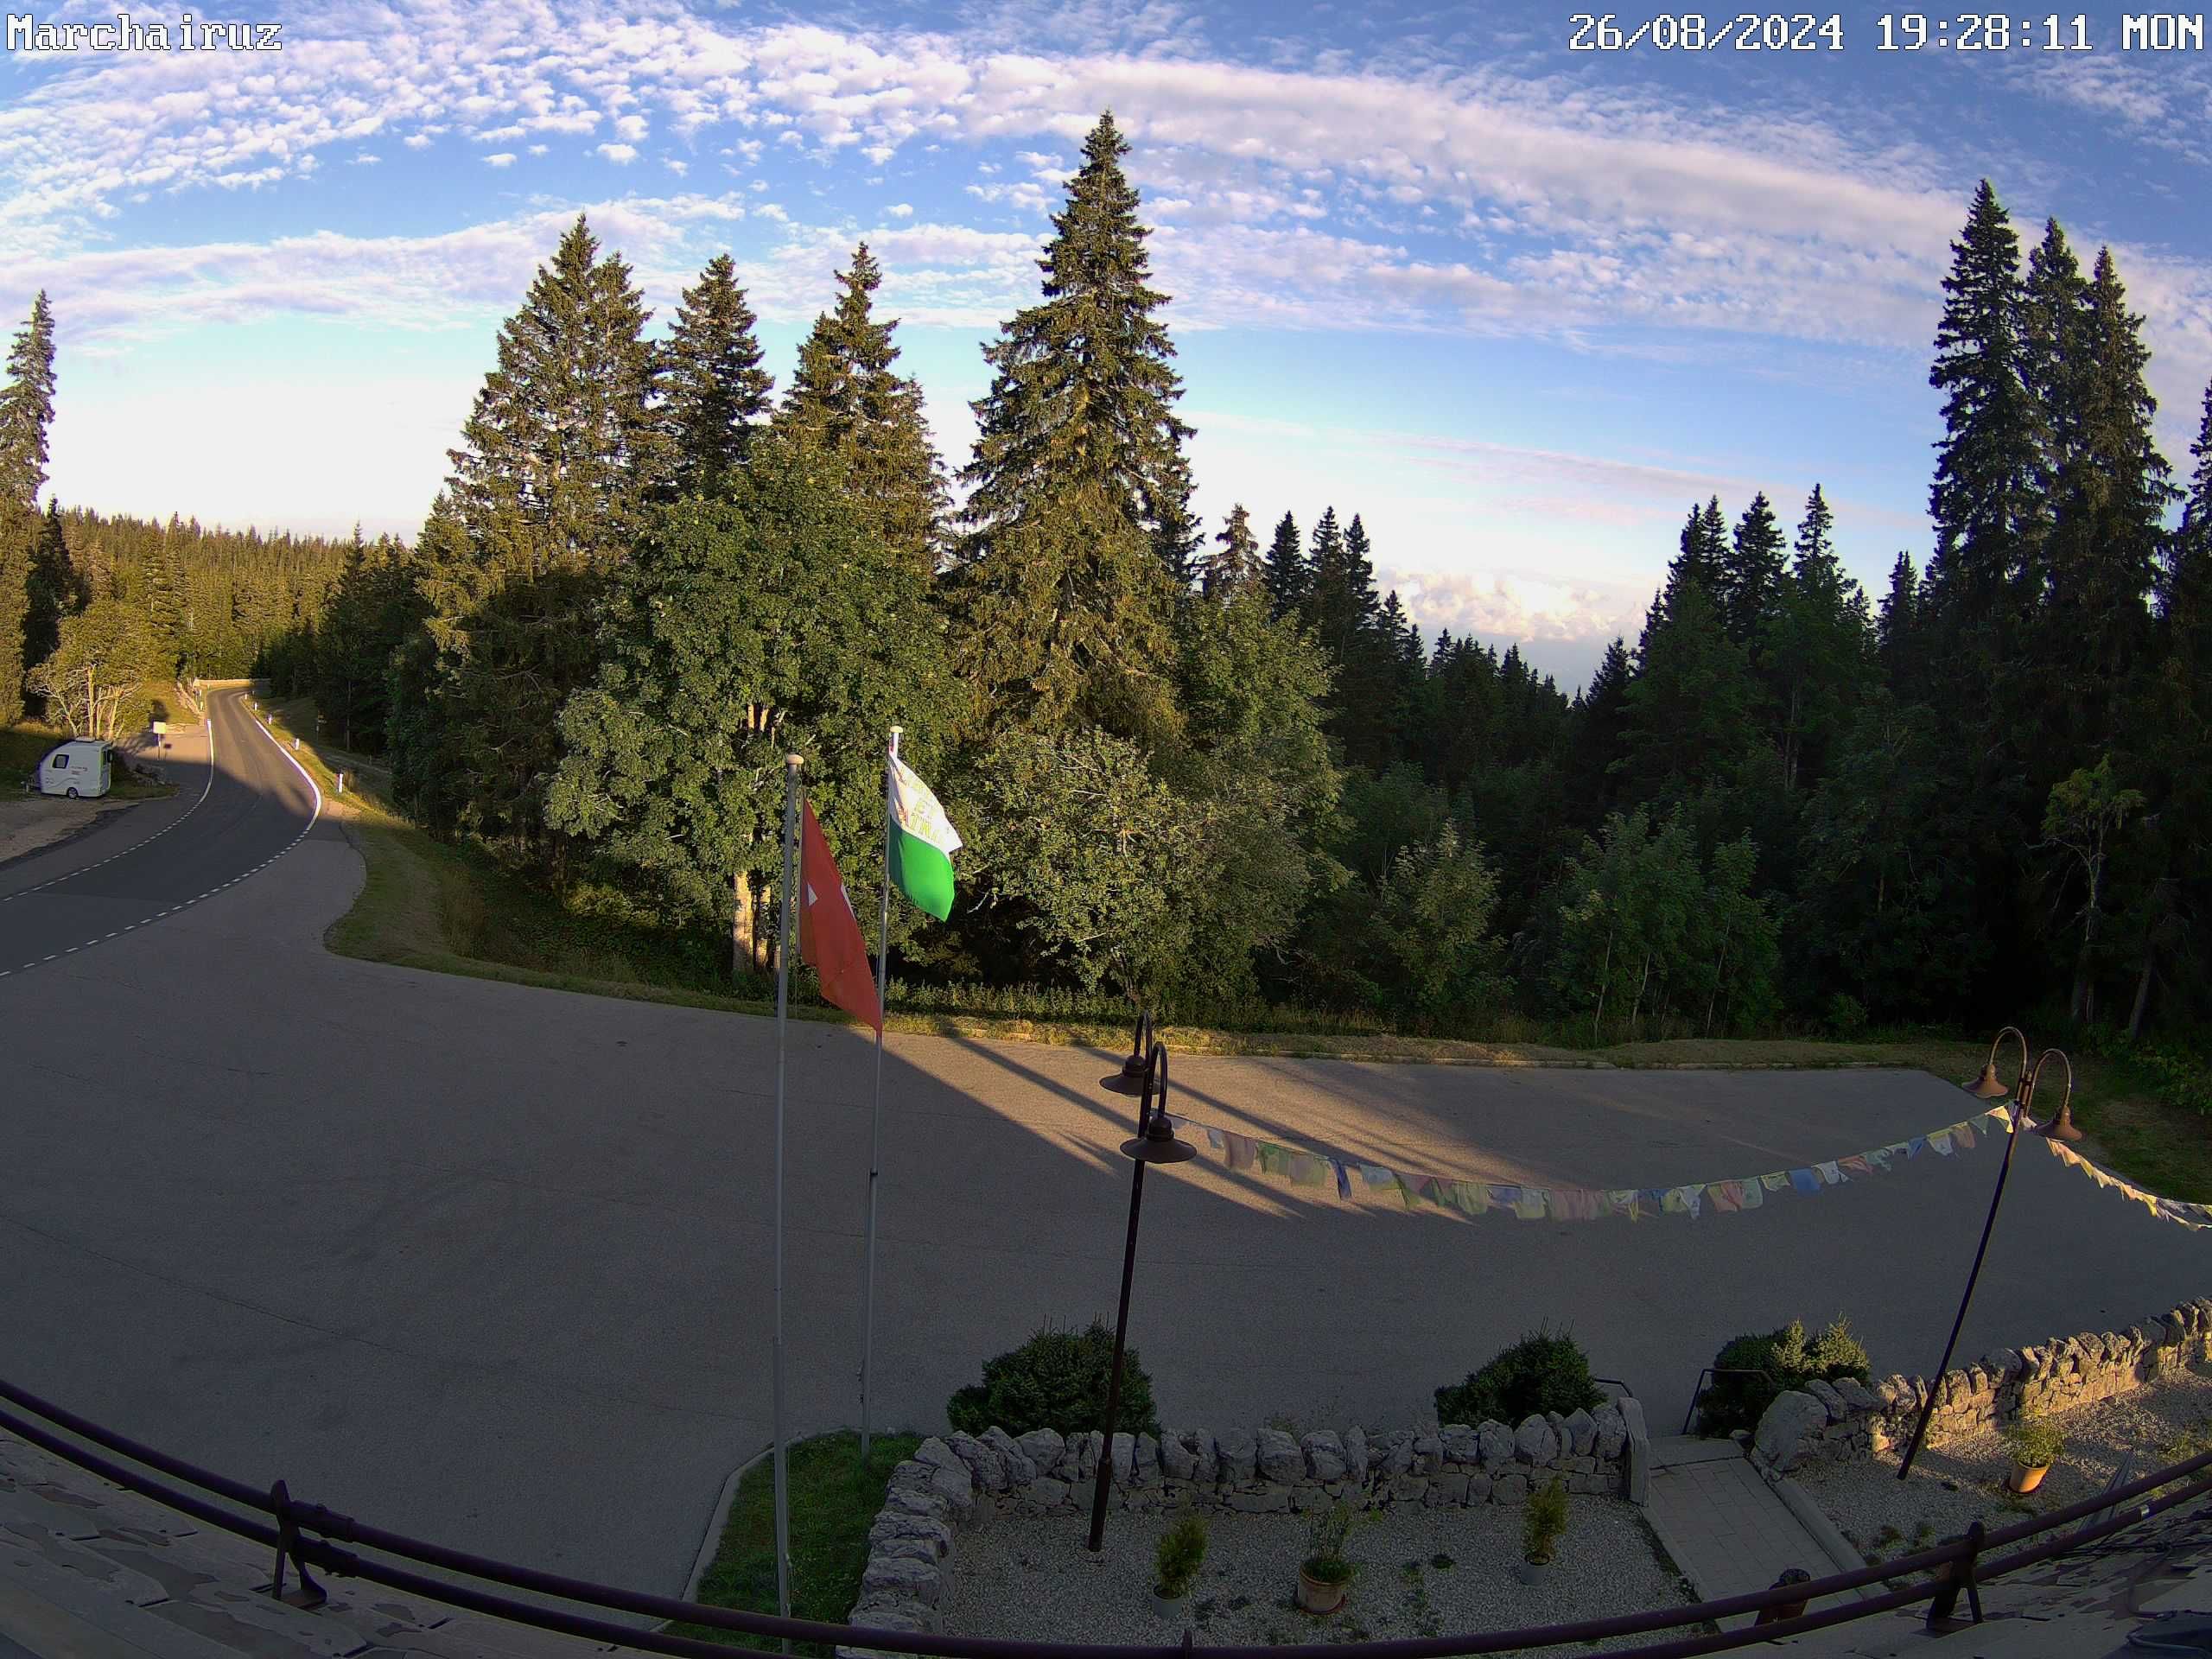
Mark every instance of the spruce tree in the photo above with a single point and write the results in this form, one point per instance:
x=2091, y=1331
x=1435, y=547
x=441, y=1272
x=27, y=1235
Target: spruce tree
x=1235, y=569
x=1898, y=630
x=1750, y=571
x=2053, y=353
x=1084, y=391
x=850, y=399
x=1814, y=649
x=1597, y=729
x=1984, y=499
x=55, y=589
x=712, y=387
x=560, y=458
x=1288, y=575
x=26, y=413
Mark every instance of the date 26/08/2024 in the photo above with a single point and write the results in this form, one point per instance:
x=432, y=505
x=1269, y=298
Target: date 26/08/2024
x=1907, y=31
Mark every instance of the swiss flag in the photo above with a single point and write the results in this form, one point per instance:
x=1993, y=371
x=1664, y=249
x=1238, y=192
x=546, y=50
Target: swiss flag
x=828, y=933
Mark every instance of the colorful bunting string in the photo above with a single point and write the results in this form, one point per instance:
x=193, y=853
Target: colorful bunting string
x=2185, y=1215
x=1244, y=1153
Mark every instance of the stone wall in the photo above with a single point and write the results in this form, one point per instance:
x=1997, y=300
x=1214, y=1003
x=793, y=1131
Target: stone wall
x=1852, y=1420
x=964, y=1480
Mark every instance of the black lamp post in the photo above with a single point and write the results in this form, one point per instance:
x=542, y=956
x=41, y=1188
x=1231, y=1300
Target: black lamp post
x=1130, y=1080
x=1155, y=1143
x=1986, y=1087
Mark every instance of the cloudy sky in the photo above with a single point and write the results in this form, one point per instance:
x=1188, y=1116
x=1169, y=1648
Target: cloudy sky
x=1517, y=305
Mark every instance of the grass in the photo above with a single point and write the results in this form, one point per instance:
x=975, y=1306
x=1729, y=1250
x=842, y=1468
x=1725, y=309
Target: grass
x=24, y=746
x=454, y=909
x=833, y=1502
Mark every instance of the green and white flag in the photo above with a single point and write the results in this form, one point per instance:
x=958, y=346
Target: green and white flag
x=923, y=842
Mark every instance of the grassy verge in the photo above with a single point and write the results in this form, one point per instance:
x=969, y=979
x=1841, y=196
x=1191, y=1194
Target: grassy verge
x=833, y=1502
x=22, y=747
x=432, y=905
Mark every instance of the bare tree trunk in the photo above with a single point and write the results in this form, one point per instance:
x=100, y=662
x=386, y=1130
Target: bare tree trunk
x=1720, y=968
x=1604, y=979
x=1638, y=1003
x=2142, y=998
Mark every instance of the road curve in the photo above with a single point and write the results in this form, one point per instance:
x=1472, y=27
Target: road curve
x=234, y=813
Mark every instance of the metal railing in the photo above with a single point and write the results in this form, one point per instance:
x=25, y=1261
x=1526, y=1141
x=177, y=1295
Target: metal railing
x=308, y=1536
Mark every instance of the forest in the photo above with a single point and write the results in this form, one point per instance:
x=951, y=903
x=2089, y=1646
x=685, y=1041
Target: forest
x=1219, y=771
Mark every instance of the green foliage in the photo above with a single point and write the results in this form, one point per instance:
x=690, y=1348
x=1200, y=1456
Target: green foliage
x=1783, y=1360
x=1326, y=1537
x=1542, y=1372
x=1181, y=1551
x=1543, y=1521
x=1056, y=1380
x=98, y=679
x=2034, y=1443
x=1844, y=1015
x=1436, y=954
x=714, y=389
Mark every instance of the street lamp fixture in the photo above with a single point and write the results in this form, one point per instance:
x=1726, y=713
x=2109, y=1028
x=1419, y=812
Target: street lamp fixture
x=1154, y=1143
x=1130, y=1080
x=2062, y=1127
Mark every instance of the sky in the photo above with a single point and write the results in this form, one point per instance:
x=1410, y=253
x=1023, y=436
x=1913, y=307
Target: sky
x=1517, y=305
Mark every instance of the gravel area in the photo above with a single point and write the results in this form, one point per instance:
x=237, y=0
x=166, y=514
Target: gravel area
x=1423, y=1571
x=1954, y=1485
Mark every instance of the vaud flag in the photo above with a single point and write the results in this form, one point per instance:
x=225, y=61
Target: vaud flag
x=923, y=842
x=828, y=932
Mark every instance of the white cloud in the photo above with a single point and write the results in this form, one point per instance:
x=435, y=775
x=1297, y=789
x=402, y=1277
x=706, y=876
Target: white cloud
x=679, y=168
x=900, y=210
x=631, y=127
x=366, y=160
x=620, y=154
x=504, y=158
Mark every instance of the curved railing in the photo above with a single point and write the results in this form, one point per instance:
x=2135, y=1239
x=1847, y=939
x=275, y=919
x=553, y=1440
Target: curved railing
x=308, y=1536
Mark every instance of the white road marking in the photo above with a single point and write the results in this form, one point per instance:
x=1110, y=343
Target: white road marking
x=204, y=791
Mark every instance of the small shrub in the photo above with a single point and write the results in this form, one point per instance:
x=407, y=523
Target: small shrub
x=1326, y=1534
x=2034, y=1443
x=1543, y=1523
x=1845, y=1015
x=1182, y=1551
x=1539, y=1373
x=1056, y=1379
x=1787, y=1361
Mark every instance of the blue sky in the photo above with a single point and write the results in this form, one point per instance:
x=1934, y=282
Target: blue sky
x=1515, y=305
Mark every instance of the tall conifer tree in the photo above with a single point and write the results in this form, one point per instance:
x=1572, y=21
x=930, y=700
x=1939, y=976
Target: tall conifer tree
x=1078, y=518
x=714, y=388
x=26, y=413
x=849, y=398
x=1287, y=574
x=1750, y=571
x=1235, y=569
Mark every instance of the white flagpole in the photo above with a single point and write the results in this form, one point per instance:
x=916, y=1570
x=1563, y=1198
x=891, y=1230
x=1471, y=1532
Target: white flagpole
x=875, y=1140
x=792, y=764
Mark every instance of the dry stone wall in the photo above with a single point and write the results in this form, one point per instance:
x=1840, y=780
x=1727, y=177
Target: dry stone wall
x=964, y=1480
x=1825, y=1423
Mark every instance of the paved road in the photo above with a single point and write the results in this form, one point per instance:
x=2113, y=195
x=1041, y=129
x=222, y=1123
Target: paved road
x=491, y=1264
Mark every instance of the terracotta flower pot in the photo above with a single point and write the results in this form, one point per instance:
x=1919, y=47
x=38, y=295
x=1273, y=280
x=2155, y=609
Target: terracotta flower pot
x=2027, y=1477
x=1315, y=1596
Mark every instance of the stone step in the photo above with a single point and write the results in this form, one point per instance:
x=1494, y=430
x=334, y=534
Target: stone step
x=1673, y=1451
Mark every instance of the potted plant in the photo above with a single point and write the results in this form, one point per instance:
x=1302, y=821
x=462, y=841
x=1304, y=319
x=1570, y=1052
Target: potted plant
x=2035, y=1445
x=1324, y=1577
x=1543, y=1524
x=1175, y=1564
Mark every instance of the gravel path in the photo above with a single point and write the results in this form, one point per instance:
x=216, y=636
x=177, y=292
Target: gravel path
x=1954, y=1485
x=1423, y=1571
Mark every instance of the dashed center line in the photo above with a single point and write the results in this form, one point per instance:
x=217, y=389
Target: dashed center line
x=313, y=818
x=206, y=790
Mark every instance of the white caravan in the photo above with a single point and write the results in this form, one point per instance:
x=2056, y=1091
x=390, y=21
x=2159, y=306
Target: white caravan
x=80, y=766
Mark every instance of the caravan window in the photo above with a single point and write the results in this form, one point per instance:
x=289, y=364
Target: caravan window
x=61, y=761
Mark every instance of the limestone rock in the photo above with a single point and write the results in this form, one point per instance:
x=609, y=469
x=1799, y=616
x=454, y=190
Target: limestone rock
x=1496, y=1441
x=1612, y=1430
x=1398, y=1455
x=933, y=1536
x=1536, y=1440
x=1021, y=1467
x=1048, y=1492
x=1209, y=1469
x=1428, y=1453
x=916, y=1500
x=1790, y=1423
x=1510, y=1488
x=1462, y=1444
x=1279, y=1458
x=1581, y=1432
x=1273, y=1500
x=1125, y=1458
x=984, y=1464
x=1237, y=1449
x=1830, y=1401
x=1176, y=1460
x=1450, y=1487
x=958, y=1488
x=935, y=1452
x=1044, y=1447
x=895, y=1575
x=1479, y=1487
x=1147, y=1460
x=1325, y=1455
x=1356, y=1452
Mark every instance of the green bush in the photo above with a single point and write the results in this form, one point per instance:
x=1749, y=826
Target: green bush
x=1543, y=1523
x=1539, y=1373
x=1182, y=1551
x=2034, y=1443
x=1788, y=1361
x=1056, y=1379
x=1325, y=1536
x=1845, y=1015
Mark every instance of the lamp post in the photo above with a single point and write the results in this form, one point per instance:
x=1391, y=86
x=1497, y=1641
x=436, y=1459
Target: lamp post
x=1986, y=1087
x=1155, y=1143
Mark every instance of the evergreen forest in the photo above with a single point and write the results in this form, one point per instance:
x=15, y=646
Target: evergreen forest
x=1212, y=768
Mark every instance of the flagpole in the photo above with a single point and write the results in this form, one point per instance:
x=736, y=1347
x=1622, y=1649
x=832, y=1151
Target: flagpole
x=875, y=1136
x=792, y=764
